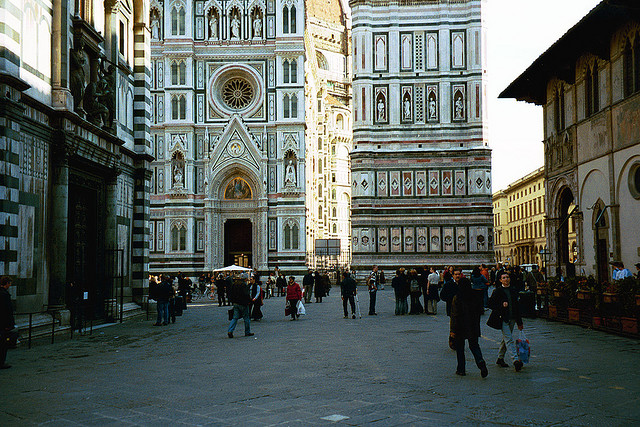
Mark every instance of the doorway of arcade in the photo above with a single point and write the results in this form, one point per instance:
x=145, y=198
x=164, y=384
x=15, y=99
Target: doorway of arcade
x=238, y=242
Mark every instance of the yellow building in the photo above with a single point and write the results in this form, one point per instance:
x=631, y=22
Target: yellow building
x=519, y=221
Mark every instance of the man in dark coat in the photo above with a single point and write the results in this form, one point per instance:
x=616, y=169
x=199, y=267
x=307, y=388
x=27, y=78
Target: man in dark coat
x=450, y=289
x=240, y=298
x=307, y=285
x=7, y=322
x=164, y=292
x=505, y=311
x=466, y=309
x=348, y=291
x=318, y=286
x=401, y=290
x=281, y=283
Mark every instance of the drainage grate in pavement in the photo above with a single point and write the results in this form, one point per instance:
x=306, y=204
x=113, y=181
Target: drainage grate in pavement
x=335, y=417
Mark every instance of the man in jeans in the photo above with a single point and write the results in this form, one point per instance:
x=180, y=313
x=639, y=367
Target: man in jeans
x=504, y=302
x=240, y=298
x=162, y=294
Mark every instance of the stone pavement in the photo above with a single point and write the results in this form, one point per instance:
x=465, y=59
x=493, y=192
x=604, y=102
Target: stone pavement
x=379, y=370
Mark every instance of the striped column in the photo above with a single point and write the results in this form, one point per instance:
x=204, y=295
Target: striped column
x=142, y=147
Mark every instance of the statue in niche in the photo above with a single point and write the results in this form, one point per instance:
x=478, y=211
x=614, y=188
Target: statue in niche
x=381, y=112
x=458, y=107
x=290, y=179
x=107, y=97
x=235, y=27
x=77, y=80
x=406, y=108
x=177, y=168
x=257, y=26
x=432, y=107
x=213, y=26
x=155, y=26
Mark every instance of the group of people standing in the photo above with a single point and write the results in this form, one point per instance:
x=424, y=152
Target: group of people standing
x=170, y=294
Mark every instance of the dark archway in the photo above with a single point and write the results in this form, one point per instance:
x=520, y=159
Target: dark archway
x=238, y=242
x=601, y=233
x=565, y=201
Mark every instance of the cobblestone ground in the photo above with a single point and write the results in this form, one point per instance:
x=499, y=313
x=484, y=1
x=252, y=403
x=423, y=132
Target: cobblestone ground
x=379, y=370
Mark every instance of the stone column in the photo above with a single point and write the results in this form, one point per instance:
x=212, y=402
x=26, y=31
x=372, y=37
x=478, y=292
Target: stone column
x=61, y=96
x=59, y=228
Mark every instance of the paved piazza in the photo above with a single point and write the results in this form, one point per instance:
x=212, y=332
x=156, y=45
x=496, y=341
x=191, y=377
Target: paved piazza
x=384, y=370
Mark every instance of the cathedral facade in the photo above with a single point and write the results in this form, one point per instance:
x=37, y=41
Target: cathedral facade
x=240, y=141
x=420, y=165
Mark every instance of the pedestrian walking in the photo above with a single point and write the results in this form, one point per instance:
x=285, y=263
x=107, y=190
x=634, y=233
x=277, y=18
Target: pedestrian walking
x=8, y=336
x=505, y=314
x=401, y=291
x=466, y=309
x=433, y=285
x=348, y=291
x=221, y=289
x=294, y=294
x=240, y=298
x=318, y=286
x=372, y=285
x=479, y=283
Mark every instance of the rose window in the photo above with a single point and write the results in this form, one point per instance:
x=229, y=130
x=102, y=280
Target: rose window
x=237, y=93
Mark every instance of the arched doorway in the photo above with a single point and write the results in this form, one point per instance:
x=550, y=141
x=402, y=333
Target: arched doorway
x=600, y=223
x=565, y=209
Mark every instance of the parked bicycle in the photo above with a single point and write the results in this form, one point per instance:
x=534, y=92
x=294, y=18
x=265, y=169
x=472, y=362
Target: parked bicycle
x=209, y=292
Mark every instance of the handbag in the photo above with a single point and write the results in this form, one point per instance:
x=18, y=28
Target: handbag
x=230, y=311
x=523, y=347
x=287, y=308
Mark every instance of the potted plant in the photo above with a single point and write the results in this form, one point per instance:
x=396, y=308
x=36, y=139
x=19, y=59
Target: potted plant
x=584, y=289
x=628, y=288
x=610, y=295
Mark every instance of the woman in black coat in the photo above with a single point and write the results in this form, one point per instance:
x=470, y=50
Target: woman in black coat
x=466, y=309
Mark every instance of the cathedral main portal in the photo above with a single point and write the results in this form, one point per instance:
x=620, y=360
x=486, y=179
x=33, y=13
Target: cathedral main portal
x=238, y=242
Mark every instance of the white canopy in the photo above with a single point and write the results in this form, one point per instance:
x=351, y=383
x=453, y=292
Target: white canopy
x=232, y=268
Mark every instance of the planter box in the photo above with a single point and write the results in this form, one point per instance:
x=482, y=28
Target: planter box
x=553, y=312
x=638, y=300
x=612, y=322
x=596, y=321
x=609, y=297
x=583, y=295
x=574, y=314
x=629, y=325
x=558, y=294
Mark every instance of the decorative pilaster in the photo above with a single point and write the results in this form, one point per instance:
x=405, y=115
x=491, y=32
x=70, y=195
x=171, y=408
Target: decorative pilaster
x=59, y=225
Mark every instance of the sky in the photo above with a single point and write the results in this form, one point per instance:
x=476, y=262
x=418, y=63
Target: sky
x=518, y=31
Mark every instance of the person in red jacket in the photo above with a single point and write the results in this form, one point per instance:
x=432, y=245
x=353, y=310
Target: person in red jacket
x=294, y=294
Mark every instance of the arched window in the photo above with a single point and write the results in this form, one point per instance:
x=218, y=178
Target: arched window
x=320, y=167
x=174, y=73
x=292, y=20
x=178, y=20
x=178, y=107
x=319, y=143
x=339, y=122
x=294, y=106
x=322, y=61
x=285, y=19
x=179, y=237
x=285, y=71
x=627, y=69
x=334, y=210
x=182, y=73
x=333, y=197
x=320, y=213
x=636, y=63
x=335, y=229
x=294, y=71
x=291, y=231
x=319, y=186
x=286, y=107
